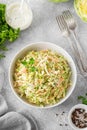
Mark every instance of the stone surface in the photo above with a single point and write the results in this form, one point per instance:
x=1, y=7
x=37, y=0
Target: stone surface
x=44, y=28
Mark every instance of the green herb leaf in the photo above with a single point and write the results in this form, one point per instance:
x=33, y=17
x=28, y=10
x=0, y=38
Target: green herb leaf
x=33, y=69
x=13, y=34
x=83, y=99
x=3, y=47
x=80, y=97
x=2, y=56
x=2, y=12
x=24, y=63
x=31, y=61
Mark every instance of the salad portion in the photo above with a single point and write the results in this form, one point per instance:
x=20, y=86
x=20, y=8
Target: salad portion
x=81, y=8
x=42, y=77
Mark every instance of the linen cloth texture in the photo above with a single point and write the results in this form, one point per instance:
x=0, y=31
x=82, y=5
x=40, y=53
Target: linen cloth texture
x=15, y=120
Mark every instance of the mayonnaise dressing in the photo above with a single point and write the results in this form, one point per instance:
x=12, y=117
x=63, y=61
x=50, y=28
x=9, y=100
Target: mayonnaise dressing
x=18, y=17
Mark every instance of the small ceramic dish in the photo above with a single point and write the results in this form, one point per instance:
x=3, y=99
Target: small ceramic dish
x=79, y=106
x=19, y=16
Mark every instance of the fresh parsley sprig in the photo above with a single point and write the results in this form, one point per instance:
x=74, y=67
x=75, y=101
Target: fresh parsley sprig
x=7, y=33
x=83, y=99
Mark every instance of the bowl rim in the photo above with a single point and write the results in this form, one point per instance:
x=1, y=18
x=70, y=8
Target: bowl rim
x=49, y=106
x=69, y=116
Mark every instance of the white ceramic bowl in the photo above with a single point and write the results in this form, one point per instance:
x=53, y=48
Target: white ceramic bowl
x=70, y=113
x=41, y=46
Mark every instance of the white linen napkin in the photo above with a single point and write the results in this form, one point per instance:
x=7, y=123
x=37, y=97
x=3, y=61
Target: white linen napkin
x=15, y=120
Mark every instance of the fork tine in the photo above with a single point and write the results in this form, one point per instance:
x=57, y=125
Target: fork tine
x=68, y=17
x=61, y=23
x=67, y=14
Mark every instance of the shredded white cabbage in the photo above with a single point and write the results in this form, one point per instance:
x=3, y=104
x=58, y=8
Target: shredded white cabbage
x=42, y=77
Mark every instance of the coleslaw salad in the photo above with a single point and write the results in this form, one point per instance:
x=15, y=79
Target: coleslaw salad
x=42, y=77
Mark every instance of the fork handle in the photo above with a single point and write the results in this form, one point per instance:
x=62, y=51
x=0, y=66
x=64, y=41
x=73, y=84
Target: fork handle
x=80, y=52
x=76, y=56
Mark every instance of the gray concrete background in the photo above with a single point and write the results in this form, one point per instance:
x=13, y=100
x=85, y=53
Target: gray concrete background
x=44, y=28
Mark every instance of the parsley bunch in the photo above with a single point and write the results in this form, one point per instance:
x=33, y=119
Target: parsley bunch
x=7, y=33
x=83, y=99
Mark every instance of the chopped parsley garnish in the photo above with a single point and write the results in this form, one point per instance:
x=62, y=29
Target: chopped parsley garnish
x=31, y=61
x=32, y=69
x=24, y=63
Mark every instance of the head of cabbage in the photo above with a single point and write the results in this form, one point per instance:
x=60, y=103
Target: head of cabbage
x=81, y=9
x=56, y=1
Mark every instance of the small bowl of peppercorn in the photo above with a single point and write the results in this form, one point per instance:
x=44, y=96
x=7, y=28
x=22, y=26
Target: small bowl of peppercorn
x=78, y=117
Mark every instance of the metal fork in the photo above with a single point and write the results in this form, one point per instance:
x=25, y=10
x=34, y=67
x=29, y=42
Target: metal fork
x=72, y=26
x=66, y=33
